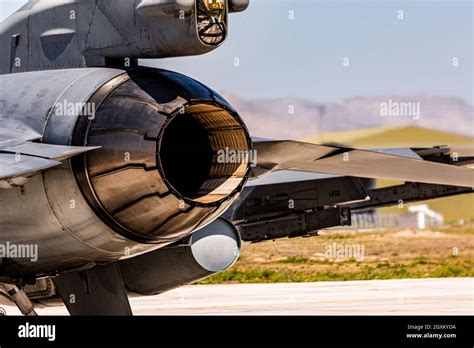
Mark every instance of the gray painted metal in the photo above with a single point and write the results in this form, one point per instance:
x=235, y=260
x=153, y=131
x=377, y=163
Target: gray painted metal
x=12, y=166
x=407, y=193
x=50, y=210
x=20, y=162
x=32, y=108
x=64, y=34
x=394, y=164
x=12, y=138
x=56, y=152
x=99, y=291
x=209, y=250
x=30, y=100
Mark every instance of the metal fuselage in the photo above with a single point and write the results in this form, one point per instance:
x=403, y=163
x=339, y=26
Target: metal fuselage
x=51, y=34
x=79, y=39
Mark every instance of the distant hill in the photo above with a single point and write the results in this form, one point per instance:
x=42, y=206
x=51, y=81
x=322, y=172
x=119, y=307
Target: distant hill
x=453, y=208
x=273, y=118
x=401, y=136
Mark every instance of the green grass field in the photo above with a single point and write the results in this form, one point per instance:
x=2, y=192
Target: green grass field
x=392, y=254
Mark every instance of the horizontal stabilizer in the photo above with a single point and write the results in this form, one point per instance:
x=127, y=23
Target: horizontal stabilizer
x=11, y=138
x=20, y=158
x=12, y=165
x=57, y=152
x=396, y=164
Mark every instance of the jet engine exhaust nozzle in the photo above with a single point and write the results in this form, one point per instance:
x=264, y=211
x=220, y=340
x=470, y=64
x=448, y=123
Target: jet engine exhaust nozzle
x=159, y=175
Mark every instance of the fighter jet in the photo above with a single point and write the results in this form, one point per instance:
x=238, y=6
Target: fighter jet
x=118, y=180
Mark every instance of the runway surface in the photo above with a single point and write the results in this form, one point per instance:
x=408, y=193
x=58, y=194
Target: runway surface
x=446, y=296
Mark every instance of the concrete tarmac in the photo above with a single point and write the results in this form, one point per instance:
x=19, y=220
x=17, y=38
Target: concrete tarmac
x=446, y=296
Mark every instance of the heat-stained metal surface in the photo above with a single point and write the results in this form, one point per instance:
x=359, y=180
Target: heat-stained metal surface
x=125, y=199
x=156, y=176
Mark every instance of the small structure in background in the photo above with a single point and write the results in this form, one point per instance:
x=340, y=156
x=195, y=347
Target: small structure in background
x=373, y=220
x=420, y=217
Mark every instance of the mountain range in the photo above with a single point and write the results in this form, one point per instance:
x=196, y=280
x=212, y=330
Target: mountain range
x=293, y=118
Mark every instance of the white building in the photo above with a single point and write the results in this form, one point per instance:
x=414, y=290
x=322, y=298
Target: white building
x=421, y=217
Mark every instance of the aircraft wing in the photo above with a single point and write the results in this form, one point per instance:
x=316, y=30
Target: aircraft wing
x=412, y=165
x=54, y=152
x=10, y=137
x=12, y=166
x=20, y=158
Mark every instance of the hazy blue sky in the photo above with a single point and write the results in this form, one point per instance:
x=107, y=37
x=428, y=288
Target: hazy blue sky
x=303, y=56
